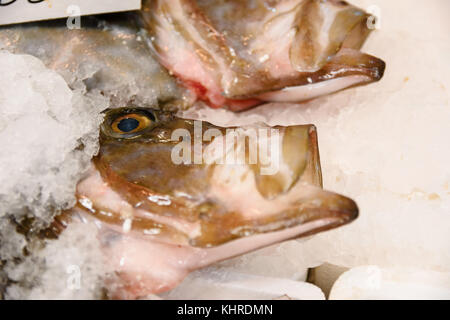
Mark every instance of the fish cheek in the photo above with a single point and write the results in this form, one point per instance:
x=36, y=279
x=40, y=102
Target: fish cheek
x=147, y=178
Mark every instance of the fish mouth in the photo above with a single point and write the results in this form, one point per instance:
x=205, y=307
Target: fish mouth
x=349, y=68
x=320, y=211
x=347, y=64
x=316, y=210
x=257, y=241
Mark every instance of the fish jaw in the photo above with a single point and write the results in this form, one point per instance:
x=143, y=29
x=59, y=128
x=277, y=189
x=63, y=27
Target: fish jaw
x=299, y=50
x=147, y=264
x=146, y=267
x=151, y=262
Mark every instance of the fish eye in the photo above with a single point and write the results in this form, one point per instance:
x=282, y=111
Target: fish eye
x=131, y=123
x=128, y=123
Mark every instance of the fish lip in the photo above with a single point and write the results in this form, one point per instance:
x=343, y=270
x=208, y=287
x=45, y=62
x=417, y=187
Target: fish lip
x=244, y=245
x=341, y=211
x=342, y=217
x=379, y=70
x=370, y=67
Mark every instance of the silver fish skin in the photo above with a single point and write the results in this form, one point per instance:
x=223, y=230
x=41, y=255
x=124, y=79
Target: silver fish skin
x=109, y=55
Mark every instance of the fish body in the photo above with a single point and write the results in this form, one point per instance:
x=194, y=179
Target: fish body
x=108, y=55
x=238, y=54
x=165, y=213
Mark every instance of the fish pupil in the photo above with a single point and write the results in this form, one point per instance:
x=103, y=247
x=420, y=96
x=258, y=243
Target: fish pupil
x=128, y=124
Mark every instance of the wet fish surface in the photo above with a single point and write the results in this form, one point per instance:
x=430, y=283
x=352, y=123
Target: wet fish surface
x=238, y=54
x=108, y=54
x=163, y=218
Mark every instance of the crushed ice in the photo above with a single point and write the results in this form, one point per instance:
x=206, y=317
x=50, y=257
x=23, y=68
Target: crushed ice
x=48, y=135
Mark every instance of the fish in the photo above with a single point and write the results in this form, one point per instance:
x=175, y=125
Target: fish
x=108, y=55
x=239, y=54
x=173, y=195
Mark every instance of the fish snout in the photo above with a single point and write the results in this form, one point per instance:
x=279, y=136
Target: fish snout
x=317, y=210
x=333, y=209
x=323, y=211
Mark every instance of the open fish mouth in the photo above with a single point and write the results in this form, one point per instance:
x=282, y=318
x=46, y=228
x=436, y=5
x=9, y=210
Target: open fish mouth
x=139, y=182
x=239, y=54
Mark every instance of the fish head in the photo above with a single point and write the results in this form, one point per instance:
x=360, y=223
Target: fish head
x=151, y=159
x=199, y=193
x=238, y=54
